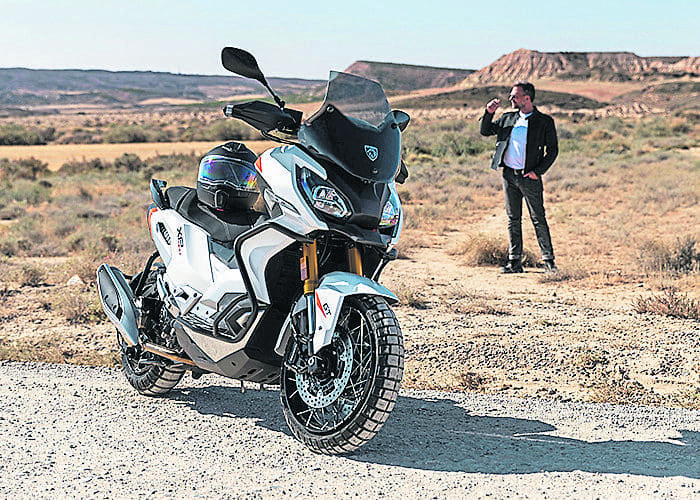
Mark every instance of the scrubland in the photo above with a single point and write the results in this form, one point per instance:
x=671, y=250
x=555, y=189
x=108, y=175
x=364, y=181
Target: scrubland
x=620, y=322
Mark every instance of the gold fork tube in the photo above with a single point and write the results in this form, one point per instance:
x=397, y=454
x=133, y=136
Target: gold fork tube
x=354, y=260
x=311, y=281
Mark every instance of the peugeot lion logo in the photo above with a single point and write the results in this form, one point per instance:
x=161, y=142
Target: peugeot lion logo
x=372, y=152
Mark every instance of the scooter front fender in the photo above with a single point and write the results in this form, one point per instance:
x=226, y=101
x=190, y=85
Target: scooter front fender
x=328, y=299
x=330, y=295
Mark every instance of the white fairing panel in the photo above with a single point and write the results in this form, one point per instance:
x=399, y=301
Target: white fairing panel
x=332, y=289
x=190, y=266
x=187, y=255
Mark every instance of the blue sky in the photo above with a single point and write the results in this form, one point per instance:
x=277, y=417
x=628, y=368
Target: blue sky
x=306, y=38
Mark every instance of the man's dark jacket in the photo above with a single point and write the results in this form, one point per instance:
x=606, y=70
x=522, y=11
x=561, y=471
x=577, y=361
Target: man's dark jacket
x=542, y=147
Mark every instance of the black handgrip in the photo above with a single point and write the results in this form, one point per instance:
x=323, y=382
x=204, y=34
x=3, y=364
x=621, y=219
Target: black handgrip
x=265, y=116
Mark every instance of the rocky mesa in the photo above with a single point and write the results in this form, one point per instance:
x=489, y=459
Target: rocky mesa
x=603, y=66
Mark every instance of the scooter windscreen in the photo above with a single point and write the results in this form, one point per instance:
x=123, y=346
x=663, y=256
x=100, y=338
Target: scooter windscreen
x=355, y=129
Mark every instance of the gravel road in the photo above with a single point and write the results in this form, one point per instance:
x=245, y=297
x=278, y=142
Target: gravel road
x=70, y=431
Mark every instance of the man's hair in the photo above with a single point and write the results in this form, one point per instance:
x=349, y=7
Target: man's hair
x=527, y=88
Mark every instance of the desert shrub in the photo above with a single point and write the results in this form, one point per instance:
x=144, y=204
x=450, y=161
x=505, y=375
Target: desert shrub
x=78, y=306
x=410, y=296
x=80, y=137
x=669, y=303
x=84, y=166
x=32, y=276
x=654, y=127
x=11, y=212
x=681, y=126
x=564, y=274
x=23, y=191
x=600, y=135
x=25, y=168
x=125, y=134
x=128, y=162
x=564, y=133
x=480, y=250
x=680, y=257
x=12, y=134
x=221, y=130
x=473, y=381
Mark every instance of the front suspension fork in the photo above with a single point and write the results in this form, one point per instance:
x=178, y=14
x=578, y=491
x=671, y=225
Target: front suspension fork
x=309, y=274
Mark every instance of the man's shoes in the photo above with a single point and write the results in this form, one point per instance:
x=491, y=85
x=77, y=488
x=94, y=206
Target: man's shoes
x=513, y=266
x=550, y=267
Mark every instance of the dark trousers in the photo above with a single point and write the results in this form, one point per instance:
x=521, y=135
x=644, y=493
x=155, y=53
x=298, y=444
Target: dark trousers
x=516, y=187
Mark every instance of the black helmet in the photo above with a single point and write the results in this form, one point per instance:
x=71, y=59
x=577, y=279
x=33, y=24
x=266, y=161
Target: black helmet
x=227, y=179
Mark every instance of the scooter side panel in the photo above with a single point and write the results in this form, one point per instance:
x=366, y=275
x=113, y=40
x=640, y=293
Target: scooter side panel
x=186, y=255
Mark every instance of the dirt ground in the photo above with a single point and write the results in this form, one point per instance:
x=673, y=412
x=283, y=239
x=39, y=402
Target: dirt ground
x=466, y=328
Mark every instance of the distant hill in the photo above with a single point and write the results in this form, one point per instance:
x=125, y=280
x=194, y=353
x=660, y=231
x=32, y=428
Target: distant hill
x=672, y=96
x=20, y=87
x=526, y=64
x=478, y=97
x=406, y=77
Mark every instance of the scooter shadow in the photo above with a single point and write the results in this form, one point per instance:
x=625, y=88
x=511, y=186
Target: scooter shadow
x=439, y=435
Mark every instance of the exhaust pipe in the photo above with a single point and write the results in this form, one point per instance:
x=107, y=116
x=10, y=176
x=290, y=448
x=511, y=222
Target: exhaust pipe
x=118, y=302
x=167, y=353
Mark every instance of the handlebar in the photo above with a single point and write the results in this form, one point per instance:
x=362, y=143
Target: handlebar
x=265, y=117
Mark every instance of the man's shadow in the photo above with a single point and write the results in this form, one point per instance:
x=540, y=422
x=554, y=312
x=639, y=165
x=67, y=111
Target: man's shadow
x=438, y=435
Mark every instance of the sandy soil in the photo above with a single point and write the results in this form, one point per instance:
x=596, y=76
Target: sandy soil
x=58, y=154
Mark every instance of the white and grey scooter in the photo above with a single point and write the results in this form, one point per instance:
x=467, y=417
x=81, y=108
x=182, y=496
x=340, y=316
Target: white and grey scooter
x=287, y=296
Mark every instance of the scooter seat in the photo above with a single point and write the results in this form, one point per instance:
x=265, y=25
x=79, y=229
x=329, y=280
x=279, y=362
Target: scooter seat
x=221, y=226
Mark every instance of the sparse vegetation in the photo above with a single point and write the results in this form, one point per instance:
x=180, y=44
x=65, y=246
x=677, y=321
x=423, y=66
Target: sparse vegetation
x=618, y=197
x=669, y=303
x=411, y=297
x=482, y=250
x=78, y=306
x=679, y=257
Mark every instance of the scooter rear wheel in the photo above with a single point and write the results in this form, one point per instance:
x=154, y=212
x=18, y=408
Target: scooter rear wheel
x=147, y=378
x=145, y=371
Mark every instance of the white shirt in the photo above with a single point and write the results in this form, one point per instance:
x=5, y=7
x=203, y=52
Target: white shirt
x=515, y=152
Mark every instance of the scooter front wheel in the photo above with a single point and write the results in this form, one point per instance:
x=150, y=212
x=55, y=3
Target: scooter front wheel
x=345, y=401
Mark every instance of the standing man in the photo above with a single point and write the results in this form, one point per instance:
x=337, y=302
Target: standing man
x=526, y=146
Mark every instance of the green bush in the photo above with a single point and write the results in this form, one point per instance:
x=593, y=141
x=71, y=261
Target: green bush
x=135, y=133
x=26, y=168
x=84, y=166
x=128, y=162
x=12, y=134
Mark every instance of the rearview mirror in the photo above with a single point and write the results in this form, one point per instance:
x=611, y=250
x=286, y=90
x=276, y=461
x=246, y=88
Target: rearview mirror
x=402, y=118
x=242, y=63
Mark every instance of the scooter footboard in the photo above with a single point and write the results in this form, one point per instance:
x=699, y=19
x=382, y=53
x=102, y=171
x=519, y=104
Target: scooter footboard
x=329, y=296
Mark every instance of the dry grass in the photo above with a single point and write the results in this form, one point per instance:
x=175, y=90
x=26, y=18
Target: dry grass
x=51, y=348
x=77, y=305
x=669, y=303
x=482, y=250
x=410, y=296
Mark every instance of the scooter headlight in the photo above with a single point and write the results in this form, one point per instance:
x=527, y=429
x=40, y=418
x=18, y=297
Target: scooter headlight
x=323, y=196
x=391, y=211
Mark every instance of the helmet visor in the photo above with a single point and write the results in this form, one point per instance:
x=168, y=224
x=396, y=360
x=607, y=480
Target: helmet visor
x=215, y=169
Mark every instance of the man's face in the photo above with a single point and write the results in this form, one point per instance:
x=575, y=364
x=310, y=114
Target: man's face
x=518, y=99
